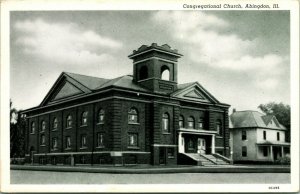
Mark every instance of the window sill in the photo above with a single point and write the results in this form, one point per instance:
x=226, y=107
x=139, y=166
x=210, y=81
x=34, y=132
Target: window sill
x=133, y=147
x=83, y=125
x=102, y=123
x=171, y=157
x=100, y=147
x=68, y=127
x=43, y=145
x=54, y=149
x=32, y=133
x=83, y=148
x=133, y=123
x=42, y=131
x=68, y=148
x=54, y=130
x=166, y=133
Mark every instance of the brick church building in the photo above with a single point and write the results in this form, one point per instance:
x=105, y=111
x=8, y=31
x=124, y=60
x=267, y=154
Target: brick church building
x=144, y=118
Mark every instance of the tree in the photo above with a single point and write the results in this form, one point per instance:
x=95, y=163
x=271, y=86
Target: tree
x=281, y=111
x=17, y=133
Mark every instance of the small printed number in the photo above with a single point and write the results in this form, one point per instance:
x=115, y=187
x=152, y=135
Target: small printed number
x=274, y=187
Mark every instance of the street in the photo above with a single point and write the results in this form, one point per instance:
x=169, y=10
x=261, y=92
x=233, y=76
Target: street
x=48, y=177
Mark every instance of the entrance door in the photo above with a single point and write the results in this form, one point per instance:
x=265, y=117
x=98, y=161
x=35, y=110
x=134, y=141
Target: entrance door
x=31, y=152
x=162, y=156
x=201, y=146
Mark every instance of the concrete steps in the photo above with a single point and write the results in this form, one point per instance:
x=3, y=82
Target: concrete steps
x=206, y=159
x=218, y=161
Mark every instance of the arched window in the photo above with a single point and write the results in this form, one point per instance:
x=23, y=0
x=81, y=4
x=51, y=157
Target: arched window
x=43, y=126
x=55, y=123
x=191, y=123
x=133, y=116
x=165, y=73
x=32, y=129
x=100, y=118
x=219, y=128
x=181, y=121
x=84, y=118
x=201, y=123
x=69, y=121
x=166, y=123
x=143, y=72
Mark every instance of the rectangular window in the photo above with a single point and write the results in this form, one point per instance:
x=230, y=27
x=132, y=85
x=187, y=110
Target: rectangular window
x=54, y=143
x=244, y=135
x=278, y=136
x=244, y=151
x=133, y=140
x=100, y=138
x=68, y=142
x=170, y=152
x=265, y=151
x=82, y=159
x=200, y=125
x=265, y=135
x=43, y=140
x=43, y=128
x=83, y=141
x=32, y=129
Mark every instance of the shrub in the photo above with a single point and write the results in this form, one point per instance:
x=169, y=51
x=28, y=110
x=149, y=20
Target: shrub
x=284, y=160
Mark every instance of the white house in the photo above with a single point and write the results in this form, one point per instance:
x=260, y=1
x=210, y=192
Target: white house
x=257, y=137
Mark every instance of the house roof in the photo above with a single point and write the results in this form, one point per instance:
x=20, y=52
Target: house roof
x=248, y=118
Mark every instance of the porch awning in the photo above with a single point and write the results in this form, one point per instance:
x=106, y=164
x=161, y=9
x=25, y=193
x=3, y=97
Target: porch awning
x=273, y=143
x=197, y=131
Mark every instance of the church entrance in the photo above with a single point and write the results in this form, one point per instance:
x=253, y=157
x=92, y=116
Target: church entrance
x=196, y=143
x=201, y=146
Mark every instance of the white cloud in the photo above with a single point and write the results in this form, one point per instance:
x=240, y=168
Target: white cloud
x=248, y=62
x=207, y=43
x=64, y=42
x=269, y=83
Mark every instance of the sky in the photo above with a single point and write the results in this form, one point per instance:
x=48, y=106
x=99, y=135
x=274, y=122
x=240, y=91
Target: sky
x=241, y=57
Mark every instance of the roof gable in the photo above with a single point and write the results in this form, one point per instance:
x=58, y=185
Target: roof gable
x=194, y=91
x=64, y=87
x=194, y=94
x=66, y=90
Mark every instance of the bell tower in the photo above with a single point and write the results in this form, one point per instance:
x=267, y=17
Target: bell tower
x=155, y=67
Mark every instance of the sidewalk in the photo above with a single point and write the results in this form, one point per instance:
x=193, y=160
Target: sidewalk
x=147, y=169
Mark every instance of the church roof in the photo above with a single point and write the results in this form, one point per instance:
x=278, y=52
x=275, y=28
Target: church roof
x=248, y=118
x=96, y=83
x=70, y=85
x=88, y=81
x=123, y=82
